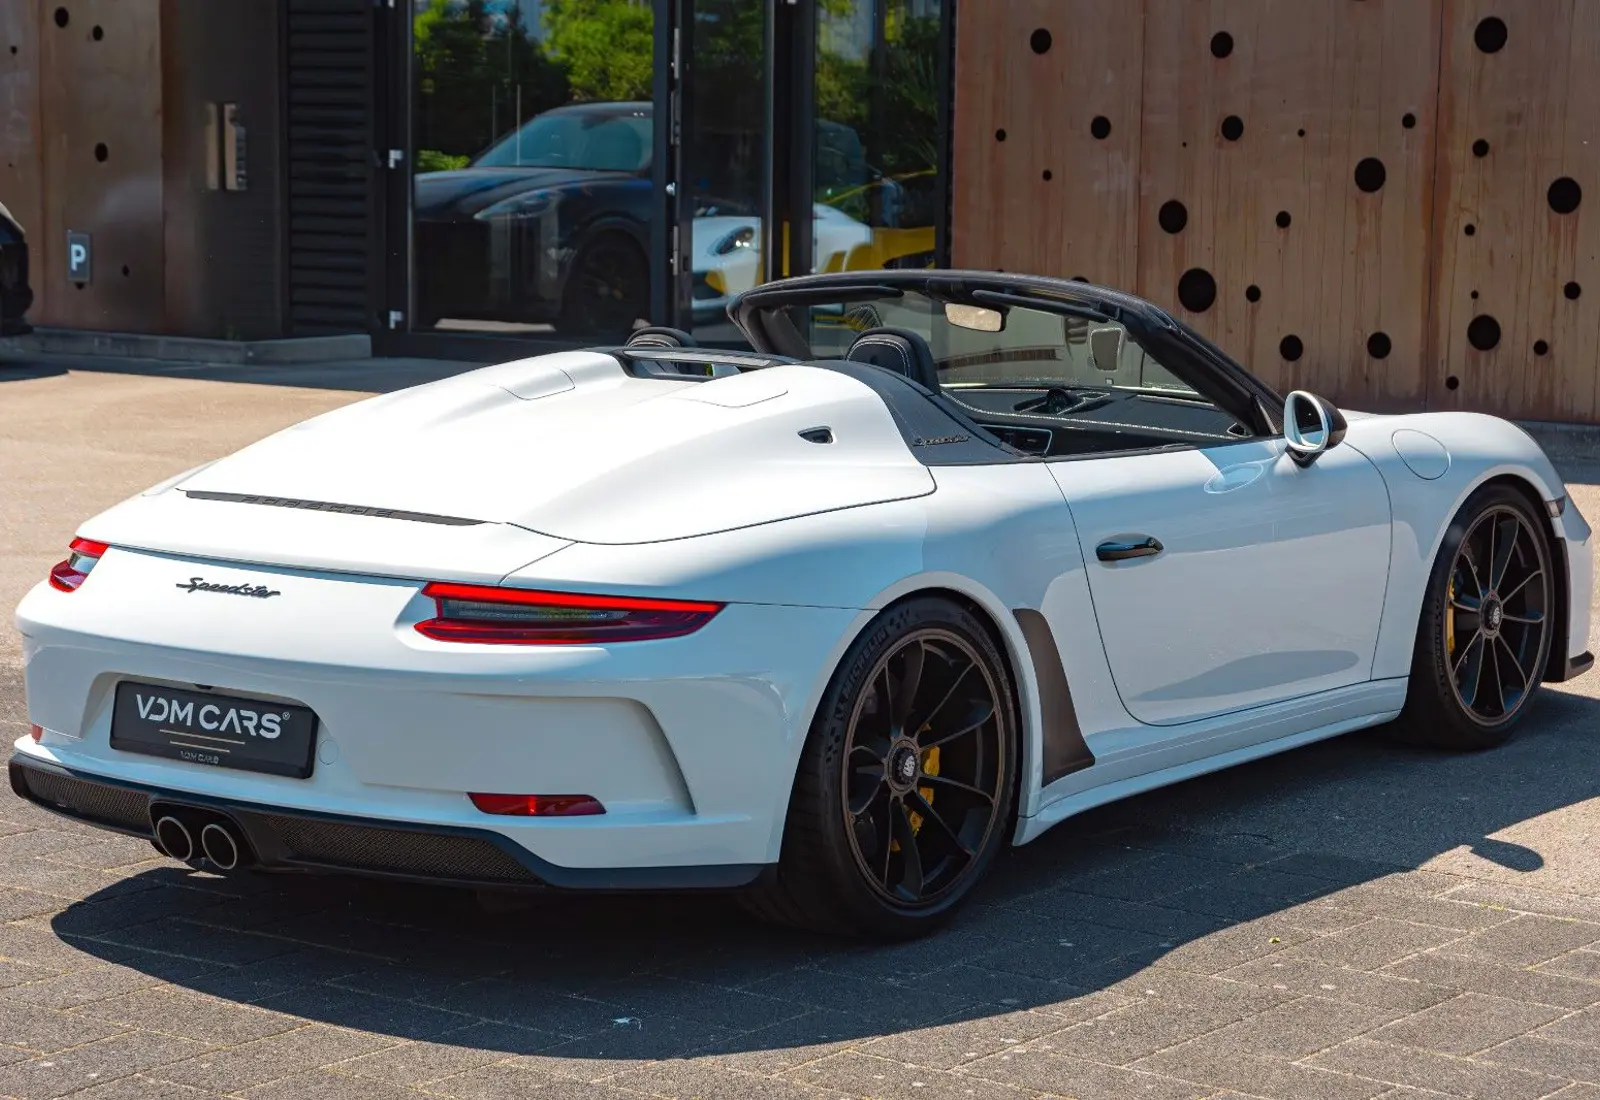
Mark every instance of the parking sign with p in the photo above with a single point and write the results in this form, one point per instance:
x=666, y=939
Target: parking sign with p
x=80, y=258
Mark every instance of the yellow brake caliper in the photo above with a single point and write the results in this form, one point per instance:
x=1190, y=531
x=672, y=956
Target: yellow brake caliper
x=1450, y=617
x=930, y=766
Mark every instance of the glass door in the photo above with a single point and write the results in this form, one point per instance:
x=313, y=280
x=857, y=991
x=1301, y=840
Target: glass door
x=534, y=197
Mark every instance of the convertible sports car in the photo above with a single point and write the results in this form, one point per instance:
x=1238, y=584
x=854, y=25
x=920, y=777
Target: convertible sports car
x=949, y=557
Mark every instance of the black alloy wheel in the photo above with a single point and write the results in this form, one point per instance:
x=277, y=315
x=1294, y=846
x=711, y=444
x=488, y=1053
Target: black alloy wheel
x=1486, y=629
x=608, y=290
x=924, y=767
x=906, y=786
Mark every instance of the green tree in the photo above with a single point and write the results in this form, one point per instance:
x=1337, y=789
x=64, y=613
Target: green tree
x=606, y=47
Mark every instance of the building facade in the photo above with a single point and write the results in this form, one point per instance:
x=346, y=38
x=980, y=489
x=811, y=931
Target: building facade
x=1379, y=200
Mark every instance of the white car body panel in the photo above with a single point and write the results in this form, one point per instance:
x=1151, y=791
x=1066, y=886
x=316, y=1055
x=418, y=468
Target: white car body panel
x=1283, y=610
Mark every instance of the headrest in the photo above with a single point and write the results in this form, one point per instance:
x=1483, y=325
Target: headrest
x=661, y=338
x=899, y=350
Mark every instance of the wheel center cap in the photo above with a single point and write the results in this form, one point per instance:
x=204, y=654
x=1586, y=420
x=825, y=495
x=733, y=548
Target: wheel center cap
x=903, y=766
x=1493, y=615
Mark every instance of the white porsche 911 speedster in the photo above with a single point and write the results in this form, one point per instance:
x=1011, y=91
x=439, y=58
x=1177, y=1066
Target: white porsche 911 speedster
x=949, y=557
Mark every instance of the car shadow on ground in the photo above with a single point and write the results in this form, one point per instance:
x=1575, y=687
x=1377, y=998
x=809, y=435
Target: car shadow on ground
x=1292, y=857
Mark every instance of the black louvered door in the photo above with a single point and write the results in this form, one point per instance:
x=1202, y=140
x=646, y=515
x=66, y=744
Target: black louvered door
x=333, y=185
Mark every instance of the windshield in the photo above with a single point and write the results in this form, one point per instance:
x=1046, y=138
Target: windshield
x=1033, y=347
x=591, y=140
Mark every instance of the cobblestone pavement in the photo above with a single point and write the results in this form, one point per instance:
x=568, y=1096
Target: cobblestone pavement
x=1350, y=920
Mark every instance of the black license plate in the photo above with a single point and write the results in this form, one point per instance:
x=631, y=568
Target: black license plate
x=223, y=731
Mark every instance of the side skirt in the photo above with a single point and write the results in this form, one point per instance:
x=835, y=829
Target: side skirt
x=1217, y=743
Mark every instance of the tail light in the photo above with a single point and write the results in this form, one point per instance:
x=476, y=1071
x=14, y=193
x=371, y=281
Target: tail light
x=486, y=615
x=81, y=558
x=36, y=732
x=538, y=805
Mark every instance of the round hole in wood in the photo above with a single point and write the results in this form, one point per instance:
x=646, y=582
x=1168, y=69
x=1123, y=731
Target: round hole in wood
x=125, y=271
x=1371, y=174
x=98, y=33
x=1283, y=219
x=62, y=17
x=1469, y=229
x=101, y=152
x=1378, y=345
x=1000, y=135
x=1300, y=133
x=1564, y=195
x=1172, y=216
x=1233, y=127
x=1221, y=44
x=1291, y=348
x=1572, y=290
x=1039, y=41
x=1197, y=290
x=1451, y=382
x=1474, y=295
x=1252, y=293
x=1541, y=347
x=1490, y=34
x=1480, y=148
x=1048, y=175
x=1483, y=332
x=1408, y=120
x=1100, y=127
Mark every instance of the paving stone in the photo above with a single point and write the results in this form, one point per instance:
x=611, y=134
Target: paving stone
x=1131, y=1033
x=733, y=1009
x=1537, y=1054
x=456, y=1052
x=1222, y=950
x=9, y=1054
x=20, y=844
x=1333, y=868
x=862, y=1075
x=1467, y=1024
x=1574, y=964
x=1440, y=1072
x=1374, y=944
x=980, y=985
x=126, y=910
x=191, y=1016
x=46, y=1031
x=885, y=1004
x=946, y=1045
x=508, y=1081
x=776, y=1047
x=1472, y=975
x=1073, y=951
x=622, y=1046
x=1183, y=988
x=1380, y=901
x=1578, y=1027
x=94, y=1063
x=1059, y=1074
x=1298, y=1028
x=1319, y=979
x=1521, y=899
x=1163, y=921
x=185, y=938
x=1152, y=876
x=1216, y=1065
x=139, y=1087
x=14, y=973
x=1577, y=1091
x=16, y=904
x=700, y=1081
x=348, y=1008
x=270, y=1059
x=110, y=979
x=255, y=982
x=1526, y=940
x=67, y=883
x=1319, y=918
x=327, y=1085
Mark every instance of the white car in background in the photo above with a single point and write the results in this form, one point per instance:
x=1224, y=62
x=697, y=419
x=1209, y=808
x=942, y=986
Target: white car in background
x=727, y=254
x=830, y=623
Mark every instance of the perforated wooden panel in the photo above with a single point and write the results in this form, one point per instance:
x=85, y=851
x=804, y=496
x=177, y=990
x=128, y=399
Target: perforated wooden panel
x=1517, y=318
x=1319, y=185
x=21, y=184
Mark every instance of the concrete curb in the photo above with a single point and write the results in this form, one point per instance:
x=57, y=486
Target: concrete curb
x=185, y=349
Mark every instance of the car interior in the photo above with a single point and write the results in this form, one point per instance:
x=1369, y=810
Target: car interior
x=1096, y=392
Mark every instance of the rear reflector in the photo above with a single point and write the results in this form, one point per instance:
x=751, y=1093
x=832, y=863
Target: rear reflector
x=538, y=805
x=487, y=615
x=81, y=558
x=36, y=732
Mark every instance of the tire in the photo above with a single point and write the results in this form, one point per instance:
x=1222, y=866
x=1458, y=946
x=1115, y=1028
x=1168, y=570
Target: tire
x=948, y=787
x=607, y=290
x=1445, y=708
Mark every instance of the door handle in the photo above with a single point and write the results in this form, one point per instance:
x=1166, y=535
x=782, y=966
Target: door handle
x=1123, y=549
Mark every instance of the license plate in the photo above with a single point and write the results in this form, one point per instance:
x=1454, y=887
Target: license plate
x=222, y=731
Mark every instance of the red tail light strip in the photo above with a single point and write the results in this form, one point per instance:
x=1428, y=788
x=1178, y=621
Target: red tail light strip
x=538, y=805
x=68, y=575
x=488, y=615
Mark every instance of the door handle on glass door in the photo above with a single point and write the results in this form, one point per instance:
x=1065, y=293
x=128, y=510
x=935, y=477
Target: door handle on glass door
x=1123, y=549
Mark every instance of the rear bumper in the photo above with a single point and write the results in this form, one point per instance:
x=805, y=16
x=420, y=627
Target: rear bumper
x=297, y=840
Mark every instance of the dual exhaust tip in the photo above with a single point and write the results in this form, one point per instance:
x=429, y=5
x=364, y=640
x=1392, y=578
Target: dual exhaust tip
x=217, y=843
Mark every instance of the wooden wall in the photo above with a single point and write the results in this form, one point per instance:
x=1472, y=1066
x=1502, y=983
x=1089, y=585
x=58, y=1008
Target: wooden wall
x=1297, y=178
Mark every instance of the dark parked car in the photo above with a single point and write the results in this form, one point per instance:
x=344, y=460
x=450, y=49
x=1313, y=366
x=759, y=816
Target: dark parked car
x=15, y=294
x=550, y=224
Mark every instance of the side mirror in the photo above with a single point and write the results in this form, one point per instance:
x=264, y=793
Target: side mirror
x=1311, y=425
